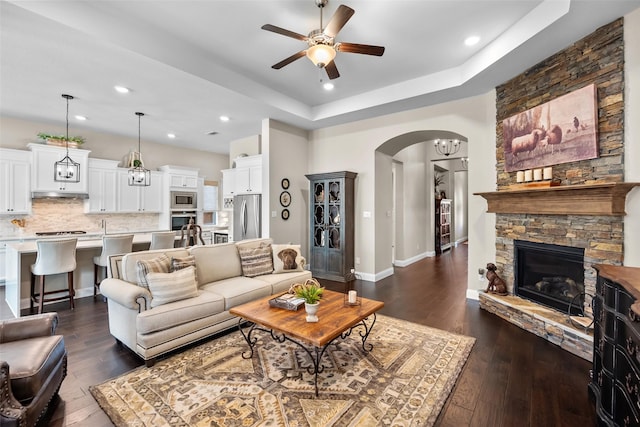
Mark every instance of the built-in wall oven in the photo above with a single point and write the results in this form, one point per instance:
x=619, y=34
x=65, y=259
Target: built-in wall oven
x=180, y=218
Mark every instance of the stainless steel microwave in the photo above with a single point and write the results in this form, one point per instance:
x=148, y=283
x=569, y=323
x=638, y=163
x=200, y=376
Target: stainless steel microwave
x=183, y=200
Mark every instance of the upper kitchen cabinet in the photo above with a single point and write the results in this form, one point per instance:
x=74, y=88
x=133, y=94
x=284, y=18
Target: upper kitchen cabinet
x=132, y=198
x=228, y=182
x=247, y=175
x=15, y=182
x=103, y=186
x=43, y=159
x=181, y=177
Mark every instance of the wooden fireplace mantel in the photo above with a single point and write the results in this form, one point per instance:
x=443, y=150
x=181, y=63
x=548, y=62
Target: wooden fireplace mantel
x=586, y=199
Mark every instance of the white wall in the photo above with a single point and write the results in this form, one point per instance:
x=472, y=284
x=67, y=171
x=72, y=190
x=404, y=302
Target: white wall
x=632, y=137
x=284, y=151
x=416, y=234
x=352, y=146
x=460, y=202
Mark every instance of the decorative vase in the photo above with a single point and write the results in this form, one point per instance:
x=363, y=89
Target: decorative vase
x=312, y=310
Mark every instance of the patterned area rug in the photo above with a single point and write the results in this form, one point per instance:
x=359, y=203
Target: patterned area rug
x=403, y=381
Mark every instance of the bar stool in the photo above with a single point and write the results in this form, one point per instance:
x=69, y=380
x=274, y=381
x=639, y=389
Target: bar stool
x=111, y=245
x=162, y=240
x=193, y=233
x=53, y=257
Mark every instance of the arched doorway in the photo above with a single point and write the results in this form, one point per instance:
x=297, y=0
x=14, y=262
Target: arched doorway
x=404, y=196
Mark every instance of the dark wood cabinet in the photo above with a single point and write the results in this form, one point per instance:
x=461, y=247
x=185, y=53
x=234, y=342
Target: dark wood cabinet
x=615, y=378
x=331, y=224
x=443, y=225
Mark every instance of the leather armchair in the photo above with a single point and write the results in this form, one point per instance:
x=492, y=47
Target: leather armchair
x=33, y=363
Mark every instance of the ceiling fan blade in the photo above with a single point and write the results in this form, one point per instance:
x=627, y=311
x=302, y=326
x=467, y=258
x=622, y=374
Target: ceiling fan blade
x=332, y=70
x=289, y=60
x=342, y=15
x=284, y=32
x=365, y=49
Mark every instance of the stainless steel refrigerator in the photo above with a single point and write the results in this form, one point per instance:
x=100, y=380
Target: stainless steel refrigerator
x=246, y=217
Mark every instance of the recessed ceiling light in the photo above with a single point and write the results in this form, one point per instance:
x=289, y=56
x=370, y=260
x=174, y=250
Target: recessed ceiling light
x=472, y=40
x=224, y=118
x=81, y=118
x=121, y=89
x=328, y=86
x=171, y=135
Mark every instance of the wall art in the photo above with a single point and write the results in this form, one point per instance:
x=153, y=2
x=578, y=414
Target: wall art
x=562, y=130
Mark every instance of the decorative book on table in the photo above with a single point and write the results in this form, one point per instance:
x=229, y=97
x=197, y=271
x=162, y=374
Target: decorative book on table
x=287, y=301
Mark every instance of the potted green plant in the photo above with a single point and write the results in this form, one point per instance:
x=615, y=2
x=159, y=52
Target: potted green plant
x=311, y=292
x=61, y=140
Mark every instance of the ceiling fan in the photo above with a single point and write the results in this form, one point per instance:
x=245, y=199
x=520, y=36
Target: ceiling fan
x=322, y=46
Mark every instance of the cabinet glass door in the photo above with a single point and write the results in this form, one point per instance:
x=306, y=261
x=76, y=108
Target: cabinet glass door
x=319, y=215
x=334, y=214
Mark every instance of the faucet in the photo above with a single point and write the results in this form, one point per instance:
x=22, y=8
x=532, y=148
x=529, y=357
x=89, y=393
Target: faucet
x=103, y=224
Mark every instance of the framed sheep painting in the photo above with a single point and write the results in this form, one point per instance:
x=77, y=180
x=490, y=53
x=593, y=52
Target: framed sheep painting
x=560, y=131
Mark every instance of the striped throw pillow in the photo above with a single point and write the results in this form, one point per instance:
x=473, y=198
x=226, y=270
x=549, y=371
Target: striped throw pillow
x=160, y=264
x=170, y=287
x=256, y=261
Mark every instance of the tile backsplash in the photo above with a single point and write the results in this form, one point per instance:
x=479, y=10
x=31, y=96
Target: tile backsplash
x=68, y=214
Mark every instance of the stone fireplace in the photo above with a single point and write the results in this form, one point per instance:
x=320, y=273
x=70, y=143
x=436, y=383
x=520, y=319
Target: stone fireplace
x=586, y=212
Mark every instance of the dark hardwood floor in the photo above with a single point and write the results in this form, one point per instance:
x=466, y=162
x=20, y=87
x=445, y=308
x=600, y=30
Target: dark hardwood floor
x=512, y=377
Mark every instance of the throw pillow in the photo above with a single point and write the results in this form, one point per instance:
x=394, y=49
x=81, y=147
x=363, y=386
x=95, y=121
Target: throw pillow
x=178, y=263
x=169, y=287
x=256, y=261
x=161, y=264
x=287, y=258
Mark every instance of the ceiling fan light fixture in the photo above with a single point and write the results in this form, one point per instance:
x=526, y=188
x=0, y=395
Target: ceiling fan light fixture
x=321, y=54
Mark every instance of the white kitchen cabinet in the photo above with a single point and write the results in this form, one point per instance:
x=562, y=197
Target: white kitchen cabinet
x=245, y=178
x=15, y=182
x=103, y=186
x=133, y=198
x=207, y=236
x=228, y=182
x=43, y=159
x=181, y=177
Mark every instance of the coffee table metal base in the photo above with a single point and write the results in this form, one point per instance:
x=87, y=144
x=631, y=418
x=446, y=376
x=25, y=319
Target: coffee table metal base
x=318, y=352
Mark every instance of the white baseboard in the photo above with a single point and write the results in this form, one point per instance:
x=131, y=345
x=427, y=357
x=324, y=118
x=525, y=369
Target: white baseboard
x=473, y=294
x=461, y=240
x=409, y=261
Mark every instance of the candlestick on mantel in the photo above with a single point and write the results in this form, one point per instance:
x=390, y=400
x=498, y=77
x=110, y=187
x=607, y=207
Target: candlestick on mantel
x=537, y=174
x=548, y=173
x=528, y=175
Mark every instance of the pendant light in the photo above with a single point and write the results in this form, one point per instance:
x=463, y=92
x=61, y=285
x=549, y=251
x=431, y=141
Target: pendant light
x=138, y=175
x=446, y=147
x=66, y=169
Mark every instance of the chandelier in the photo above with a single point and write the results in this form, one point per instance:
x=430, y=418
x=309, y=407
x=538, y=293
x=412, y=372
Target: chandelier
x=138, y=174
x=66, y=170
x=446, y=147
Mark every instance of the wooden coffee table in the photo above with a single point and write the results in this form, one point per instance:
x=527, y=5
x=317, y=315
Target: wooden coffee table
x=336, y=320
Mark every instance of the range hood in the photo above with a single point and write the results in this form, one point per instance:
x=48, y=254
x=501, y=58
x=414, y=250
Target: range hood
x=58, y=195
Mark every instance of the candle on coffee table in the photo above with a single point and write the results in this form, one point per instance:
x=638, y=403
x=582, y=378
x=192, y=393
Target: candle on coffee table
x=352, y=297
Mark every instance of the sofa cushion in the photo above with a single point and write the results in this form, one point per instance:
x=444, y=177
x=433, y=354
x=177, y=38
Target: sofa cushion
x=256, y=261
x=238, y=290
x=216, y=262
x=287, y=258
x=31, y=363
x=160, y=264
x=282, y=282
x=169, y=287
x=179, y=312
x=129, y=261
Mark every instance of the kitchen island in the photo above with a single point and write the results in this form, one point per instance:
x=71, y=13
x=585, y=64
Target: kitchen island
x=20, y=255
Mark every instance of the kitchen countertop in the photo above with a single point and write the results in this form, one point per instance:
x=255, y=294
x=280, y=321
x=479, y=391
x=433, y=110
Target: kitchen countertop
x=90, y=235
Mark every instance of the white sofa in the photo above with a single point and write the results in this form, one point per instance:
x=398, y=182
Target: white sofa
x=151, y=331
